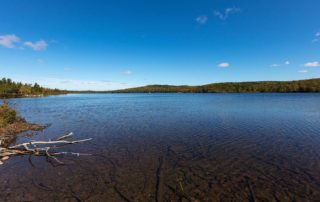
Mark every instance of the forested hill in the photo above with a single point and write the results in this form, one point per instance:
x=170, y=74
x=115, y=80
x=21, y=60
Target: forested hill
x=11, y=89
x=311, y=85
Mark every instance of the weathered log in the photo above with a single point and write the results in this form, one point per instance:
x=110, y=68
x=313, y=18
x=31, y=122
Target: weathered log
x=41, y=148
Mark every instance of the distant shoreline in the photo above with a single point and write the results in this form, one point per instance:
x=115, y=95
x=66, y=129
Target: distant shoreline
x=12, y=89
x=30, y=96
x=106, y=92
x=298, y=86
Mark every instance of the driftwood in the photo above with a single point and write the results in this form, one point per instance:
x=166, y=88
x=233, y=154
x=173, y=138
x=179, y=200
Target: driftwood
x=41, y=148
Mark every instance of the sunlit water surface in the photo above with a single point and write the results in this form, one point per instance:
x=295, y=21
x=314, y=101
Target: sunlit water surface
x=172, y=147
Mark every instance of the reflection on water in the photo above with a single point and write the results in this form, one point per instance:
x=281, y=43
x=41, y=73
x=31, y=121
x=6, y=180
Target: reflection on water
x=178, y=147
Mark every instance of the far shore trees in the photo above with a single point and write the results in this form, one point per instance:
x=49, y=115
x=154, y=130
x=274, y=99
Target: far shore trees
x=311, y=85
x=9, y=89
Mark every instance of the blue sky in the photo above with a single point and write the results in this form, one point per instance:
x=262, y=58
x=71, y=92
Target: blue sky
x=113, y=44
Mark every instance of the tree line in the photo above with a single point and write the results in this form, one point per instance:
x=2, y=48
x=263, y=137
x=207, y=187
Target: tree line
x=311, y=85
x=9, y=89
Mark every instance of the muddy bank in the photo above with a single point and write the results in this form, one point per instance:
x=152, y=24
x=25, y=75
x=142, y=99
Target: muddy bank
x=8, y=134
x=12, y=124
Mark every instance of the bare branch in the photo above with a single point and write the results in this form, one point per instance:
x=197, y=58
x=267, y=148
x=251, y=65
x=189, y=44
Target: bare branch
x=34, y=143
x=42, y=148
x=65, y=136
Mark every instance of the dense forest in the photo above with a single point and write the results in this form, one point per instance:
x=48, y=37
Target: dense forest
x=311, y=85
x=9, y=89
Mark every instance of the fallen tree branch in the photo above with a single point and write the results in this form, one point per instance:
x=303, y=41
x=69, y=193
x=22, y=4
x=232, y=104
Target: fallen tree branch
x=41, y=148
x=65, y=136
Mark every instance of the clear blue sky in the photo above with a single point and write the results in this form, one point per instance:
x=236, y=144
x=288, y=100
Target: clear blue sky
x=101, y=45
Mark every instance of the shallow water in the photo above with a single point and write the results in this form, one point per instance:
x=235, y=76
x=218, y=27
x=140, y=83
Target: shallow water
x=172, y=147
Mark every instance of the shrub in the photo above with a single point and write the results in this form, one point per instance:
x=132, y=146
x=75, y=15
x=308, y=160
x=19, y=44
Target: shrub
x=7, y=115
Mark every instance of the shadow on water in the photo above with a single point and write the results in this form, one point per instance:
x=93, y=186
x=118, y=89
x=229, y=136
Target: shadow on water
x=173, y=147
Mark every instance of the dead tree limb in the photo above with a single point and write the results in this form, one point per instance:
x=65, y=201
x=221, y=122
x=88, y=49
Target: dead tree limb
x=41, y=148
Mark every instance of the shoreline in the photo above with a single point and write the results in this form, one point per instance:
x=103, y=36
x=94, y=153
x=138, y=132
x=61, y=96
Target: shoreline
x=9, y=133
x=29, y=96
x=11, y=124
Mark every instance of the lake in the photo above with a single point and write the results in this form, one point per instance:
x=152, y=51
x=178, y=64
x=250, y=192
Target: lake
x=178, y=147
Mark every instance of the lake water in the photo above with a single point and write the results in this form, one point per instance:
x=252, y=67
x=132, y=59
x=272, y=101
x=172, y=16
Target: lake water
x=172, y=147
